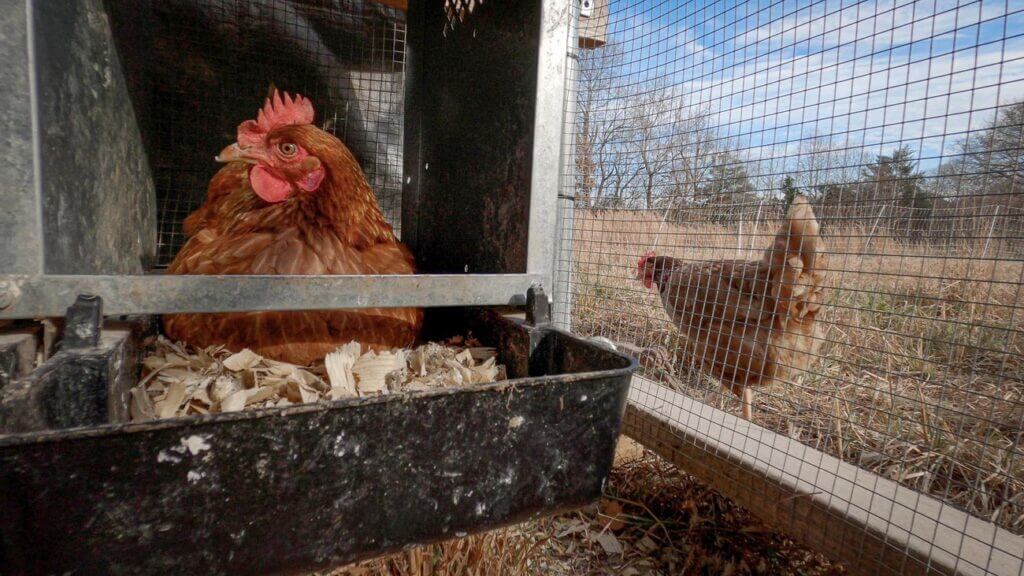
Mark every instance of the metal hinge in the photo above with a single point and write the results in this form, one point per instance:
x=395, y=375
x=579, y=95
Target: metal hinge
x=538, y=306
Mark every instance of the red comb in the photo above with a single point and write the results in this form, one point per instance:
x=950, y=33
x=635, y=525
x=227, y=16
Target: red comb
x=276, y=112
x=643, y=274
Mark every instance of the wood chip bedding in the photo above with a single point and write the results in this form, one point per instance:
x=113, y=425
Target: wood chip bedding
x=178, y=381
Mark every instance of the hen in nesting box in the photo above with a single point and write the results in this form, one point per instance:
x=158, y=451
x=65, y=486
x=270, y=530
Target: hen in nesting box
x=291, y=200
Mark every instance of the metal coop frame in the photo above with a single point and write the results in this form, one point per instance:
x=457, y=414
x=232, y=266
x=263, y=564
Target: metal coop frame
x=74, y=226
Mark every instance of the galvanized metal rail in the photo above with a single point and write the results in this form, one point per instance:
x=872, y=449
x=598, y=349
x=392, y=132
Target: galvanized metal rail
x=869, y=523
x=50, y=295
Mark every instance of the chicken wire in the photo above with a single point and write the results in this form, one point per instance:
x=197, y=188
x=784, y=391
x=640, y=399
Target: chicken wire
x=198, y=68
x=902, y=123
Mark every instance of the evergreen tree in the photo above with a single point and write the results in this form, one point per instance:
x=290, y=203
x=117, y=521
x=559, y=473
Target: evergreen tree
x=894, y=180
x=789, y=190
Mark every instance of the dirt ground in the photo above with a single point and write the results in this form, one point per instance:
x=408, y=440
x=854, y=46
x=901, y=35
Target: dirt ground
x=653, y=520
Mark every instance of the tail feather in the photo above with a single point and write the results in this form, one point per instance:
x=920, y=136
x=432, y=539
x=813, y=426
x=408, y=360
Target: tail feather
x=794, y=258
x=798, y=236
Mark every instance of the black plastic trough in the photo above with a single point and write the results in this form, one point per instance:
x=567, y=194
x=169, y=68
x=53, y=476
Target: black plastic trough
x=292, y=489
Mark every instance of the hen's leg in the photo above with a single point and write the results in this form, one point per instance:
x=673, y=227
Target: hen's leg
x=748, y=403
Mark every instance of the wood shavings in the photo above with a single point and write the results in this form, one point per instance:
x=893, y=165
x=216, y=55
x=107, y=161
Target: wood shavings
x=234, y=402
x=372, y=371
x=339, y=370
x=178, y=381
x=141, y=406
x=243, y=360
x=172, y=400
x=223, y=387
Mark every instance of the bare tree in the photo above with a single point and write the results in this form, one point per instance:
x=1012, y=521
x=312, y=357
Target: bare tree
x=824, y=163
x=694, y=145
x=651, y=141
x=992, y=165
x=600, y=129
x=639, y=147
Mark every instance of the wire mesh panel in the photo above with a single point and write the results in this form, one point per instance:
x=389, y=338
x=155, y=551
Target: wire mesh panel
x=881, y=321
x=198, y=68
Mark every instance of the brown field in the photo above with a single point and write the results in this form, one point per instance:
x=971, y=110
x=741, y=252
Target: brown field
x=919, y=377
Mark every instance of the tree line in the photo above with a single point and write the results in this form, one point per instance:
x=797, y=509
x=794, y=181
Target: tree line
x=637, y=147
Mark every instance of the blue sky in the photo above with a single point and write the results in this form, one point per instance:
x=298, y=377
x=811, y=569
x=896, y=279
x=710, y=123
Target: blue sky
x=868, y=75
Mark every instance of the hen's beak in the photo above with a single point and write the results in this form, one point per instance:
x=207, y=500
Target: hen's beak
x=235, y=153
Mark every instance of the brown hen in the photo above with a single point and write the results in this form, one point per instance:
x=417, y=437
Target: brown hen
x=291, y=200
x=748, y=323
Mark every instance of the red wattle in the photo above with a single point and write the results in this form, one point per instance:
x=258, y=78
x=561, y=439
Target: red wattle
x=267, y=186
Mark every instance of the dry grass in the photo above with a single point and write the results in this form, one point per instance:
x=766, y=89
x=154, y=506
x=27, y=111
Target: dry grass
x=664, y=521
x=920, y=373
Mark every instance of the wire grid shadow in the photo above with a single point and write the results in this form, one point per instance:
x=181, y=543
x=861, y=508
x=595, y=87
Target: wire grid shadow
x=883, y=326
x=199, y=68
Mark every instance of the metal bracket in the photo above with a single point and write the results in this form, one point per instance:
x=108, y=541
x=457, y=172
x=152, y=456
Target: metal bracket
x=84, y=320
x=586, y=8
x=538, y=308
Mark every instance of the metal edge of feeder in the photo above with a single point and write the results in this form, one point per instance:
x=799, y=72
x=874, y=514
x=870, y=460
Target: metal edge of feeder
x=407, y=469
x=50, y=295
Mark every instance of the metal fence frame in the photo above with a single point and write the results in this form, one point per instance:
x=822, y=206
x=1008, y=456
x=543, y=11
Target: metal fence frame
x=871, y=524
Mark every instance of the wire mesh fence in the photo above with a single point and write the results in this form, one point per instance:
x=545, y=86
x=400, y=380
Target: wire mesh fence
x=888, y=333
x=198, y=68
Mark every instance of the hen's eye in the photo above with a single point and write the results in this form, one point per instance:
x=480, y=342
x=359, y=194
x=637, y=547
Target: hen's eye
x=288, y=149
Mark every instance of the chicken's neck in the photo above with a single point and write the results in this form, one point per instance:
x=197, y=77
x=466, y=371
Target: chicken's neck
x=346, y=204
x=343, y=205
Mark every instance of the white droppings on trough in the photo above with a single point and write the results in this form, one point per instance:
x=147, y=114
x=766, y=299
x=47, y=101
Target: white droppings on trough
x=196, y=444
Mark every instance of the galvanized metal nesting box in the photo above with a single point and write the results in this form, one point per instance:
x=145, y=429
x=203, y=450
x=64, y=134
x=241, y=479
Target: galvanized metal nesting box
x=111, y=113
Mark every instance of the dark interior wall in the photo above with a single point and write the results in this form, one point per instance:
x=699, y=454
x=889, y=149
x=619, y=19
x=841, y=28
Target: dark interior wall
x=469, y=136
x=97, y=190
